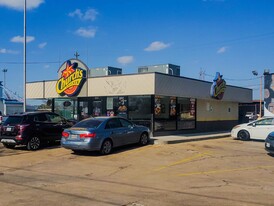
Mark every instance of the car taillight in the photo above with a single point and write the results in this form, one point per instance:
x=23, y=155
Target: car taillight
x=88, y=135
x=19, y=137
x=65, y=134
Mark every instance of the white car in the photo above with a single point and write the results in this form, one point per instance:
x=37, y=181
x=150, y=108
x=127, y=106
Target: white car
x=258, y=129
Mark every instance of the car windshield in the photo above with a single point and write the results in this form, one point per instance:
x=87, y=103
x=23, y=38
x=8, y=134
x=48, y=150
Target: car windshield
x=88, y=123
x=13, y=120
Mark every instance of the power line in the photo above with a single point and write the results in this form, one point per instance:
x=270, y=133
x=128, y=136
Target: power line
x=234, y=79
x=53, y=62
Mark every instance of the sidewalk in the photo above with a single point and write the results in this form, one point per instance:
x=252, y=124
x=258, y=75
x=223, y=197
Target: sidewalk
x=173, y=139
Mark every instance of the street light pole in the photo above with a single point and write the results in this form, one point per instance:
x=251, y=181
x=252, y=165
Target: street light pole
x=4, y=71
x=255, y=73
x=25, y=54
x=261, y=94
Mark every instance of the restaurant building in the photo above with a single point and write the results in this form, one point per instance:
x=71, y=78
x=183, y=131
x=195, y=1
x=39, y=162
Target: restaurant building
x=166, y=103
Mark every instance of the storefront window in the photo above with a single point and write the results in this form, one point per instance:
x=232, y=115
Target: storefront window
x=66, y=108
x=165, y=113
x=139, y=110
x=187, y=113
x=139, y=107
x=117, y=106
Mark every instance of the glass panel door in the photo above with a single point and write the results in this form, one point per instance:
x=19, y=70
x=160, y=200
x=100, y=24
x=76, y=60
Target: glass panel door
x=186, y=113
x=83, y=109
x=97, y=108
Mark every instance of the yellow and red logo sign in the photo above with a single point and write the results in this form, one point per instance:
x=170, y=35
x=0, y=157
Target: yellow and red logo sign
x=218, y=87
x=72, y=80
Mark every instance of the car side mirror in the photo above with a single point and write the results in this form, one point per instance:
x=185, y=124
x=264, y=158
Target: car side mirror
x=253, y=124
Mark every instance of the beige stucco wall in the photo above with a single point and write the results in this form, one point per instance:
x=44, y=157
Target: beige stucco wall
x=35, y=90
x=167, y=85
x=214, y=110
x=47, y=89
x=142, y=84
x=50, y=90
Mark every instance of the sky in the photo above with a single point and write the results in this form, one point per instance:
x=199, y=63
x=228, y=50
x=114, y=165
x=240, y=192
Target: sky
x=233, y=37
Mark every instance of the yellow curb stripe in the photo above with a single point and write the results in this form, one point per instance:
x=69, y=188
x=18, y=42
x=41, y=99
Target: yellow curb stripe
x=184, y=160
x=224, y=171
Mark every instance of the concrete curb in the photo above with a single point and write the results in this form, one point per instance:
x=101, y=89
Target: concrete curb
x=181, y=139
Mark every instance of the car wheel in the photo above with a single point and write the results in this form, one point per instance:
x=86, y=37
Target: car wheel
x=106, y=147
x=33, y=143
x=144, y=139
x=243, y=135
x=9, y=146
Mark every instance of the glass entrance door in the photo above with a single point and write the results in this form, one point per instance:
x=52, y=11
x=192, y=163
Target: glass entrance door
x=84, y=109
x=97, y=108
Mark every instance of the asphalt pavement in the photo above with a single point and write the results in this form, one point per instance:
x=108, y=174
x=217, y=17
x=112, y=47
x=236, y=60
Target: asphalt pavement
x=173, y=139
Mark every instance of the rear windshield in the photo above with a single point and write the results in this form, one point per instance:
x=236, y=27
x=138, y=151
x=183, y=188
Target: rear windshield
x=89, y=123
x=12, y=120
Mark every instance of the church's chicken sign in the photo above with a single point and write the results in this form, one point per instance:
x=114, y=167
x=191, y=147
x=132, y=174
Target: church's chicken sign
x=71, y=80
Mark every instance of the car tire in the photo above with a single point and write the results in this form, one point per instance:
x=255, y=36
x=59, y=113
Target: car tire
x=106, y=147
x=243, y=135
x=144, y=139
x=34, y=143
x=9, y=146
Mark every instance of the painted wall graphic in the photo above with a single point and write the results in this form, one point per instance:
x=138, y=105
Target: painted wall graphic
x=71, y=78
x=218, y=87
x=269, y=95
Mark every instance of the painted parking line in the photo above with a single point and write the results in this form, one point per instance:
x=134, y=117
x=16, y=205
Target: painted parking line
x=226, y=170
x=133, y=151
x=185, y=160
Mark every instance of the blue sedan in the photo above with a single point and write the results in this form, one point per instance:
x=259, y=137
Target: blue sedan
x=103, y=133
x=269, y=143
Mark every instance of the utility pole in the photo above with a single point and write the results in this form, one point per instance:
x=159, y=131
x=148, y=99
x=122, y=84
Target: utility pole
x=202, y=74
x=76, y=55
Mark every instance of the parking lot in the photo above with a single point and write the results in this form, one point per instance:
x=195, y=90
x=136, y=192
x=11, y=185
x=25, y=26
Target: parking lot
x=210, y=172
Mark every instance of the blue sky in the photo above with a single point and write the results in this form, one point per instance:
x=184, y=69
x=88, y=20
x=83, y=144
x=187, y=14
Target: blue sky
x=232, y=37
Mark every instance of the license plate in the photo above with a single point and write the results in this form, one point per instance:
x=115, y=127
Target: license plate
x=8, y=129
x=73, y=136
x=267, y=144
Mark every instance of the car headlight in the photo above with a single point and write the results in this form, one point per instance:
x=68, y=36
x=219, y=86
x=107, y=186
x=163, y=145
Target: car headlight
x=237, y=126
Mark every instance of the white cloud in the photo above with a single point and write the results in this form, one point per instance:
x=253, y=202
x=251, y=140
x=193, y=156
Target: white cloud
x=46, y=66
x=125, y=59
x=222, y=50
x=19, y=4
x=157, y=46
x=20, y=39
x=42, y=45
x=86, y=32
x=89, y=15
x=77, y=12
x=7, y=51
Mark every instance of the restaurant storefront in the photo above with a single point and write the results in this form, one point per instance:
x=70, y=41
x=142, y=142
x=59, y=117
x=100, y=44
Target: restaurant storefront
x=165, y=103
